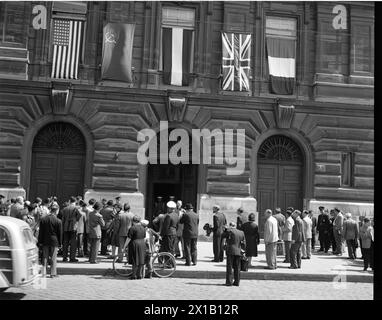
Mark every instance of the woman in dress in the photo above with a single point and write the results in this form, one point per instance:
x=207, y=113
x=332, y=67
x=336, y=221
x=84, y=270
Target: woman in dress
x=137, y=247
x=252, y=237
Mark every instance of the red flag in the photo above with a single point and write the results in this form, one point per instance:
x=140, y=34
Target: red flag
x=117, y=51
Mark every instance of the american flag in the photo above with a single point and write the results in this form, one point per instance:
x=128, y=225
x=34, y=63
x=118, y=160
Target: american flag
x=67, y=37
x=236, y=61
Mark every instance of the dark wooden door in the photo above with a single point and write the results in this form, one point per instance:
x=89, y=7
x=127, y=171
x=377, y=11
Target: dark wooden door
x=279, y=185
x=59, y=174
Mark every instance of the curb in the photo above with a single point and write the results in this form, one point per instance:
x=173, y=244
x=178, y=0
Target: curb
x=258, y=275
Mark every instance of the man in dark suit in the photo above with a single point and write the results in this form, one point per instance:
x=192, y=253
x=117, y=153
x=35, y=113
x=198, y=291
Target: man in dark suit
x=323, y=228
x=95, y=224
x=49, y=238
x=190, y=221
x=351, y=233
x=241, y=219
x=280, y=225
x=108, y=216
x=297, y=240
x=123, y=222
x=235, y=244
x=220, y=221
x=70, y=217
x=170, y=225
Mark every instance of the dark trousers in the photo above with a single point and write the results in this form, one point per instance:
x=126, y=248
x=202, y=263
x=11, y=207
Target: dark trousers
x=288, y=245
x=233, y=262
x=338, y=240
x=70, y=239
x=325, y=241
x=218, y=243
x=368, y=257
x=103, y=242
x=190, y=250
x=94, y=247
x=295, y=255
x=313, y=240
x=86, y=244
x=49, y=253
x=138, y=270
x=168, y=244
x=351, y=244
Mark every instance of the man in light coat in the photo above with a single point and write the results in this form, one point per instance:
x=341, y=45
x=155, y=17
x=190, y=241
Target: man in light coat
x=96, y=222
x=271, y=237
x=338, y=231
x=306, y=247
x=351, y=235
x=287, y=234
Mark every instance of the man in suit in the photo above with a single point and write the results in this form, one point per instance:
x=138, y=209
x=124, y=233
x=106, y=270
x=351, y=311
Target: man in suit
x=297, y=240
x=219, y=221
x=271, y=236
x=351, y=235
x=323, y=228
x=280, y=223
x=170, y=225
x=306, y=246
x=190, y=221
x=241, y=219
x=96, y=222
x=3, y=206
x=179, y=232
x=235, y=240
x=287, y=234
x=338, y=225
x=123, y=223
x=17, y=209
x=49, y=238
x=70, y=217
x=314, y=228
x=108, y=215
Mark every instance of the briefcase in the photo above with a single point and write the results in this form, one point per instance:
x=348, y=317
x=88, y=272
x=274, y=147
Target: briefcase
x=244, y=263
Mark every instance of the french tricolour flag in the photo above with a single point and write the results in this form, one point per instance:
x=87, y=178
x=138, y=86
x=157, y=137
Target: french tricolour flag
x=282, y=64
x=177, y=43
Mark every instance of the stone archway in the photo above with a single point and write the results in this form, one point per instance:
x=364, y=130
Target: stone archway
x=58, y=162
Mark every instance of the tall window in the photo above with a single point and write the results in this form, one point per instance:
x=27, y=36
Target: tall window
x=347, y=169
x=281, y=38
x=362, y=50
x=13, y=25
x=177, y=46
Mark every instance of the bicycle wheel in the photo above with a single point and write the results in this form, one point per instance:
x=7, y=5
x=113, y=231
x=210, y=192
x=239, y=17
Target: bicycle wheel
x=164, y=265
x=122, y=268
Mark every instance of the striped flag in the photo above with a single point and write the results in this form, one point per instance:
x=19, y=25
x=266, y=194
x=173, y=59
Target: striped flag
x=236, y=62
x=67, y=37
x=177, y=51
x=282, y=64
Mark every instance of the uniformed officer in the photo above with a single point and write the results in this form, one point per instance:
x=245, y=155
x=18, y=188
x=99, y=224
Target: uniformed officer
x=323, y=228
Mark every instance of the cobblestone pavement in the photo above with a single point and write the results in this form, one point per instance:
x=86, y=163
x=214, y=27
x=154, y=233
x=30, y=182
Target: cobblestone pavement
x=77, y=287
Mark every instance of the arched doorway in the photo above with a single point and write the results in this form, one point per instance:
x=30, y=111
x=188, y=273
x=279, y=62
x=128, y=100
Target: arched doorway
x=279, y=178
x=167, y=180
x=58, y=162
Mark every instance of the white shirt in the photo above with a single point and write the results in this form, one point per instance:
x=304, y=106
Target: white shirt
x=271, y=233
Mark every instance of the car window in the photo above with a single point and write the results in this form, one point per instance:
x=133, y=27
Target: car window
x=28, y=237
x=4, y=239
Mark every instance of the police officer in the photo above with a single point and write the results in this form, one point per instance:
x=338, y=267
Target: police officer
x=323, y=228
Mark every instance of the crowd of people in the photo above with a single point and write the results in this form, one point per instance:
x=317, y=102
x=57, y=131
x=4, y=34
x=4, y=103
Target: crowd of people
x=79, y=228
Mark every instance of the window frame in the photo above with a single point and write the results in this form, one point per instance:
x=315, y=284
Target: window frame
x=348, y=181
x=352, y=65
x=15, y=45
x=162, y=25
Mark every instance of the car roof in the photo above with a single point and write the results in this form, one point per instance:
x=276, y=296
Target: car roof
x=12, y=223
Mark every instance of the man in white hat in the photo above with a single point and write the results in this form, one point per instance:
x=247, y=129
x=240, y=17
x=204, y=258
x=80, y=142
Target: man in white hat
x=151, y=238
x=170, y=225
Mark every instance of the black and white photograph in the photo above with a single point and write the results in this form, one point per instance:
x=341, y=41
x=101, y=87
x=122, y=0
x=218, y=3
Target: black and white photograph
x=187, y=150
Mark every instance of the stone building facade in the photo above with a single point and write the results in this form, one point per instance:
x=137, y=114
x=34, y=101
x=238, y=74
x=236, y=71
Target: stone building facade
x=79, y=136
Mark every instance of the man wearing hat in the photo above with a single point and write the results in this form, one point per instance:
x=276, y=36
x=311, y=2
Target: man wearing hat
x=287, y=234
x=219, y=221
x=190, y=221
x=151, y=238
x=351, y=233
x=96, y=222
x=3, y=206
x=241, y=218
x=297, y=239
x=338, y=225
x=170, y=225
x=108, y=216
x=235, y=245
x=323, y=227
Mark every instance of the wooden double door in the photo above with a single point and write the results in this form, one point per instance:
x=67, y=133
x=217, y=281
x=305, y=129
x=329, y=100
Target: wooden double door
x=57, y=173
x=279, y=184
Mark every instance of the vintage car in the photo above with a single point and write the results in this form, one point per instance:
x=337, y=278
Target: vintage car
x=19, y=263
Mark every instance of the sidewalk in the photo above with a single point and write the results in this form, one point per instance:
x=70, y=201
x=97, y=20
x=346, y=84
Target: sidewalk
x=321, y=267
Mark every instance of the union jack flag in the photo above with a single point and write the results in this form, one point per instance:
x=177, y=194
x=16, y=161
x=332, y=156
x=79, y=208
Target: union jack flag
x=236, y=61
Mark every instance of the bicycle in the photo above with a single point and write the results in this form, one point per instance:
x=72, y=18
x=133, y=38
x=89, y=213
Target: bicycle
x=163, y=264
